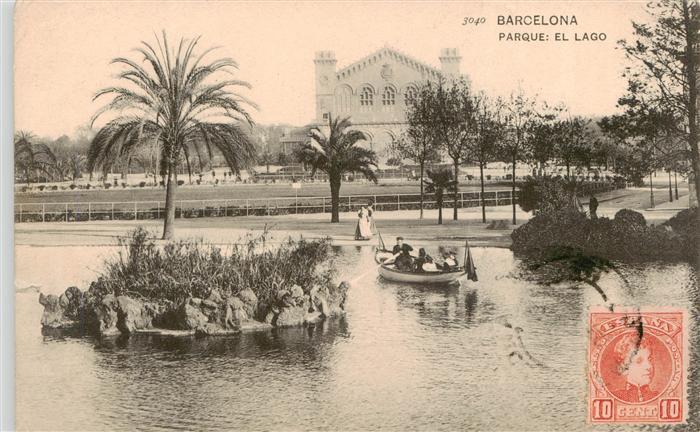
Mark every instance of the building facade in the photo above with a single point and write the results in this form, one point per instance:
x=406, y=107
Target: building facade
x=374, y=90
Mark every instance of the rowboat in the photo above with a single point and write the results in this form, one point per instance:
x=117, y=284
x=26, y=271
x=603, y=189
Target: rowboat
x=389, y=272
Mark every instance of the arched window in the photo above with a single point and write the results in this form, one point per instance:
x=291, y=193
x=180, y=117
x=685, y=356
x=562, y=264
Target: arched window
x=389, y=96
x=343, y=100
x=409, y=94
x=366, y=96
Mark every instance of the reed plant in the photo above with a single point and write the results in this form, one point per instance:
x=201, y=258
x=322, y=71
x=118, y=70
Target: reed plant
x=193, y=268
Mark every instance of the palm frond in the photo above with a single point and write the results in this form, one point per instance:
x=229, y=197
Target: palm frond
x=171, y=102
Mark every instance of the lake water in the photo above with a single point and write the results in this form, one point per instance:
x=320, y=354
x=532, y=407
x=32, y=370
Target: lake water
x=403, y=357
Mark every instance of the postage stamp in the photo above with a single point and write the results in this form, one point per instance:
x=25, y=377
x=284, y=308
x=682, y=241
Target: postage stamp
x=637, y=366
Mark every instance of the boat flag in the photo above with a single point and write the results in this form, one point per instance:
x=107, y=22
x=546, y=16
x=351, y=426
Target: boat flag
x=469, y=266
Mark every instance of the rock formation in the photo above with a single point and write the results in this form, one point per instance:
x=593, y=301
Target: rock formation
x=219, y=313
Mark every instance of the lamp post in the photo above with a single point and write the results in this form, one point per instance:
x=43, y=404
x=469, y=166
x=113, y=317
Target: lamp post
x=651, y=188
x=670, y=188
x=675, y=180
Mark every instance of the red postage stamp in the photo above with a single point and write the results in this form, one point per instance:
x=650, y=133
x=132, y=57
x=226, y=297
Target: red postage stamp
x=637, y=366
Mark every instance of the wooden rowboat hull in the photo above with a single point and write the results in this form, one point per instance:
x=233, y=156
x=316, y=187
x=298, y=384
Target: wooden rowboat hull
x=437, y=278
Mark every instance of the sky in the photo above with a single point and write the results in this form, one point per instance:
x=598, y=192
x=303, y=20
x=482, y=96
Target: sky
x=63, y=49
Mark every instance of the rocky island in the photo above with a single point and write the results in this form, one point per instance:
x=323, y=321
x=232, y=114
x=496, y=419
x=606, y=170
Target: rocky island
x=189, y=288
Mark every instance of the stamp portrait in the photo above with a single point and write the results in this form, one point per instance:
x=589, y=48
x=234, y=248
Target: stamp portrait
x=637, y=366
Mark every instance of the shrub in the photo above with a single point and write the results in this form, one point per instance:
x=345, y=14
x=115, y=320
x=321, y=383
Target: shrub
x=625, y=238
x=41, y=187
x=193, y=268
x=72, y=186
x=107, y=185
x=685, y=222
x=142, y=184
x=180, y=182
x=631, y=218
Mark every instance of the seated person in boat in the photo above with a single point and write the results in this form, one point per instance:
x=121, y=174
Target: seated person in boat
x=418, y=263
x=404, y=261
x=449, y=261
x=424, y=262
x=430, y=265
x=400, y=246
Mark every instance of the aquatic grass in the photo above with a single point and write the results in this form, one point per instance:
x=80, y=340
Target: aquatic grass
x=193, y=268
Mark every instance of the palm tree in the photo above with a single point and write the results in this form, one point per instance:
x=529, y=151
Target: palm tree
x=76, y=161
x=31, y=158
x=266, y=159
x=437, y=183
x=337, y=153
x=171, y=100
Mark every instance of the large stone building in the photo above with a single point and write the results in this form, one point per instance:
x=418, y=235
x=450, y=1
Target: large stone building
x=373, y=92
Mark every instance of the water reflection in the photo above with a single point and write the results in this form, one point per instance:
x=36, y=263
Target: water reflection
x=404, y=357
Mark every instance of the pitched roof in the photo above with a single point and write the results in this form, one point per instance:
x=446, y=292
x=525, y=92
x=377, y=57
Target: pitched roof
x=389, y=53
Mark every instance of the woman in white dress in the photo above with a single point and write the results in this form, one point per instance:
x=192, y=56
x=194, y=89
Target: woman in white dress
x=363, y=230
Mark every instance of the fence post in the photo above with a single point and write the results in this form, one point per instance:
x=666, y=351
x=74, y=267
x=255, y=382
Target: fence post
x=136, y=211
x=43, y=212
x=324, y=204
x=376, y=206
x=247, y=205
x=157, y=209
x=112, y=212
x=89, y=211
x=497, y=199
x=20, y=212
x=398, y=202
x=66, y=212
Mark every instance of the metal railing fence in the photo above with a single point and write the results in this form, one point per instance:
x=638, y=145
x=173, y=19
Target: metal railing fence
x=143, y=210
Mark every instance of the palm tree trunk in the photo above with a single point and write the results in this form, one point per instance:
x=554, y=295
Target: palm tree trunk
x=335, y=197
x=169, y=225
x=512, y=192
x=456, y=191
x=670, y=187
x=422, y=167
x=483, y=201
x=439, y=204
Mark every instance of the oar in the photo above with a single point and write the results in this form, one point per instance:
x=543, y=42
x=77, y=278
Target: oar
x=379, y=234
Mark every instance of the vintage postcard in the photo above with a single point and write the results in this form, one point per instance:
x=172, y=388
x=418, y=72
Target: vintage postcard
x=306, y=215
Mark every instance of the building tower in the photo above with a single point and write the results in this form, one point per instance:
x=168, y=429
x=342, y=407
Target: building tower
x=325, y=64
x=449, y=61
